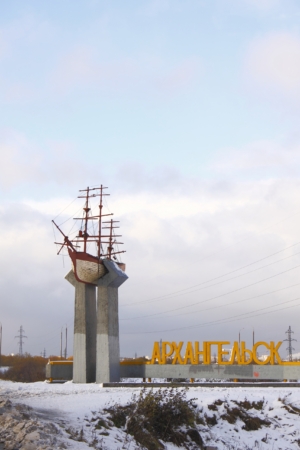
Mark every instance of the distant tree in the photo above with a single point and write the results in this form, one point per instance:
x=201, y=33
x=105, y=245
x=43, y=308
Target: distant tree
x=26, y=369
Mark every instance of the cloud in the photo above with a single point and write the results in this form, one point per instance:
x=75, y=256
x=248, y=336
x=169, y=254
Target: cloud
x=84, y=68
x=273, y=63
x=178, y=232
x=19, y=161
x=174, y=240
x=23, y=161
x=26, y=264
x=181, y=76
x=261, y=159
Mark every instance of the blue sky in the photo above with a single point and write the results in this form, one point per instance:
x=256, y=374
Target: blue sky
x=188, y=111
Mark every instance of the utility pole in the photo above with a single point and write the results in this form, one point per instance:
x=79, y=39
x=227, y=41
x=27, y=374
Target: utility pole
x=61, y=334
x=240, y=334
x=21, y=336
x=289, y=339
x=0, y=344
x=66, y=347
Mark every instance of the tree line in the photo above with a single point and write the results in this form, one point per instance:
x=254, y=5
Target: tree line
x=25, y=368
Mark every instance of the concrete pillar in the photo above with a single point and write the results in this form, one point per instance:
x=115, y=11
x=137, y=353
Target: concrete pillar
x=84, y=348
x=108, y=347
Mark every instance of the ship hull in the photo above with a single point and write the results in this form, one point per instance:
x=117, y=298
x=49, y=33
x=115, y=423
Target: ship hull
x=87, y=268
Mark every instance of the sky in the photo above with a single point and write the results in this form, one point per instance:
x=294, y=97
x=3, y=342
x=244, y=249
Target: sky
x=188, y=112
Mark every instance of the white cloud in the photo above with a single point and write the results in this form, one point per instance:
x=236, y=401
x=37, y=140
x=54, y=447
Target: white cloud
x=19, y=161
x=181, y=76
x=183, y=234
x=265, y=158
x=273, y=63
x=176, y=241
x=23, y=161
x=82, y=67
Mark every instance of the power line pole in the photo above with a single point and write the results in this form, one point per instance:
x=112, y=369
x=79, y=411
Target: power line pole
x=289, y=339
x=66, y=347
x=61, y=335
x=0, y=344
x=21, y=336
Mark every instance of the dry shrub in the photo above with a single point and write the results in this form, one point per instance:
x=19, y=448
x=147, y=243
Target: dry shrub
x=251, y=405
x=211, y=420
x=251, y=423
x=26, y=369
x=155, y=416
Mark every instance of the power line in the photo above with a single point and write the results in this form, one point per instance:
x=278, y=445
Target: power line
x=228, y=319
x=53, y=332
x=176, y=293
x=256, y=310
x=245, y=239
x=214, y=298
x=220, y=306
x=262, y=314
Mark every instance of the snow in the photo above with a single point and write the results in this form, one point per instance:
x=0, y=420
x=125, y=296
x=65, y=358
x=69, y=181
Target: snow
x=118, y=269
x=73, y=405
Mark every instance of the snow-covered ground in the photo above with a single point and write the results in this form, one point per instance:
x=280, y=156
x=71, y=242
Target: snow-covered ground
x=72, y=406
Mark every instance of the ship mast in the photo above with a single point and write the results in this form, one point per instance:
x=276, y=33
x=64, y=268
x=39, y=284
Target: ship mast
x=86, y=217
x=100, y=218
x=111, y=237
x=86, y=210
x=83, y=235
x=66, y=242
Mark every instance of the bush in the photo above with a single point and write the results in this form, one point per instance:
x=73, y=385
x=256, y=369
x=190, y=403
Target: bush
x=251, y=423
x=26, y=369
x=164, y=415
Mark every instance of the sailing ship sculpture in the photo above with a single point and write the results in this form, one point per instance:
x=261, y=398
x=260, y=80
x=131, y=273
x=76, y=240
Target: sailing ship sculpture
x=88, y=267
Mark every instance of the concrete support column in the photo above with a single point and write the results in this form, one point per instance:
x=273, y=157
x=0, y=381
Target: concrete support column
x=108, y=347
x=84, y=349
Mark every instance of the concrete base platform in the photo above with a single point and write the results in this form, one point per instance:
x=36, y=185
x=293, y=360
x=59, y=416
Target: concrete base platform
x=58, y=370
x=209, y=385
x=211, y=371
x=253, y=372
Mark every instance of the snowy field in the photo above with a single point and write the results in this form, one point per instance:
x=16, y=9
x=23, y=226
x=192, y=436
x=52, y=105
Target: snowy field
x=73, y=406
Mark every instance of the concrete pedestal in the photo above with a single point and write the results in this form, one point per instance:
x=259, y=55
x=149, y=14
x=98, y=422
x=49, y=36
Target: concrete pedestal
x=108, y=348
x=84, y=349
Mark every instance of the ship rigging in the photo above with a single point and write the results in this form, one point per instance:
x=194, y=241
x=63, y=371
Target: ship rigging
x=88, y=267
